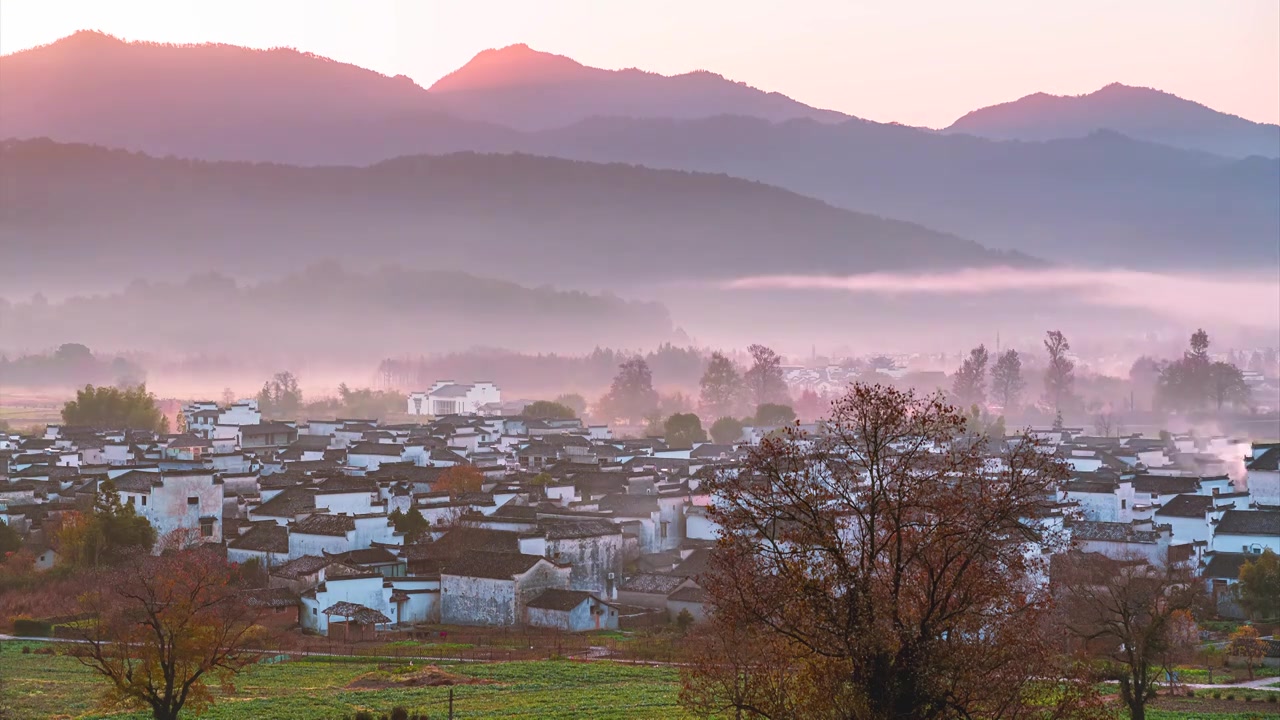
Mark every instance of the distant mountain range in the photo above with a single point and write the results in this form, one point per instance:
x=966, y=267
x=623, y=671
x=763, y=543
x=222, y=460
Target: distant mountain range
x=530, y=90
x=1095, y=197
x=301, y=310
x=1140, y=113
x=83, y=210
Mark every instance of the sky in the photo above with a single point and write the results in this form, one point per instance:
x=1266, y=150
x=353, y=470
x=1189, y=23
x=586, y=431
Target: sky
x=919, y=62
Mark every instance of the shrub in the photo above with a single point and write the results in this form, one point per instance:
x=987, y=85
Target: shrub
x=1217, y=695
x=399, y=713
x=364, y=715
x=27, y=627
x=1271, y=697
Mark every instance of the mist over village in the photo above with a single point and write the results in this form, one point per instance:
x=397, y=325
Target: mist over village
x=393, y=360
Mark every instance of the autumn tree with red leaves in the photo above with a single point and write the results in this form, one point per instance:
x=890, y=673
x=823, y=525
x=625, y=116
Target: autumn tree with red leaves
x=880, y=569
x=164, y=627
x=459, y=479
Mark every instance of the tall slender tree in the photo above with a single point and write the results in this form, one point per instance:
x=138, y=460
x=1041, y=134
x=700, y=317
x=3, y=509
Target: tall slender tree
x=631, y=396
x=764, y=379
x=721, y=387
x=1006, y=380
x=970, y=384
x=1059, y=376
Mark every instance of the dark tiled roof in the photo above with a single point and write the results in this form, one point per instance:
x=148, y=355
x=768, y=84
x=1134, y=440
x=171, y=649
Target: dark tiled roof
x=1187, y=506
x=359, y=613
x=562, y=600
x=1224, y=565
x=1109, y=531
x=566, y=529
x=272, y=597
x=290, y=503
x=265, y=536
x=1250, y=522
x=1165, y=484
x=299, y=566
x=368, y=556
x=459, y=541
x=652, y=583
x=137, y=481
x=1268, y=461
x=347, y=484
x=492, y=565
x=376, y=448
x=325, y=524
x=690, y=594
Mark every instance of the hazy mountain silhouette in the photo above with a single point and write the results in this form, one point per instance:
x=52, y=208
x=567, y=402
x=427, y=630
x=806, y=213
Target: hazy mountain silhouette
x=447, y=310
x=1101, y=199
x=1141, y=113
x=531, y=90
x=220, y=102
x=516, y=216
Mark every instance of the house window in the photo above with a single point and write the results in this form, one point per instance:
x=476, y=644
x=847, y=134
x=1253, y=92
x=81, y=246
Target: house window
x=664, y=531
x=193, y=500
x=313, y=611
x=206, y=527
x=144, y=501
x=132, y=499
x=1124, y=504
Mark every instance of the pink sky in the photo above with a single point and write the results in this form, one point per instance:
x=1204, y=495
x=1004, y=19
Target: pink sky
x=920, y=63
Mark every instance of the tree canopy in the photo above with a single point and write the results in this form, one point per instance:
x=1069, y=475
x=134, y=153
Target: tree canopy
x=969, y=385
x=110, y=533
x=1195, y=381
x=862, y=574
x=726, y=430
x=763, y=380
x=1006, y=380
x=631, y=396
x=459, y=479
x=721, y=387
x=113, y=408
x=280, y=396
x=770, y=414
x=1059, y=376
x=1259, y=587
x=184, y=622
x=683, y=430
x=547, y=410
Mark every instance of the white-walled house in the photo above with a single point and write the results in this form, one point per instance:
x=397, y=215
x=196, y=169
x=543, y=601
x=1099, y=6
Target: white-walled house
x=447, y=397
x=176, y=500
x=1121, y=541
x=1247, y=531
x=400, y=600
x=494, y=588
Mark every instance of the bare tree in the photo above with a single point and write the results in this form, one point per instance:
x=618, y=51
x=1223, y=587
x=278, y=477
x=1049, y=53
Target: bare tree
x=1124, y=611
x=886, y=567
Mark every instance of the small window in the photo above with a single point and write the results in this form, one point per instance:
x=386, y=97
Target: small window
x=206, y=527
x=313, y=611
x=132, y=499
x=1124, y=504
x=144, y=501
x=193, y=500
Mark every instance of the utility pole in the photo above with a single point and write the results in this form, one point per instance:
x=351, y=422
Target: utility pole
x=450, y=702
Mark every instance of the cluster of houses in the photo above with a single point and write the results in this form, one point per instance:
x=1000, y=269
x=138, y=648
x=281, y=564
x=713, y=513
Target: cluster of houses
x=571, y=527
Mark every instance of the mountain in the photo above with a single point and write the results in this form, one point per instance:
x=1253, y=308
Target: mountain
x=530, y=90
x=1102, y=199
x=448, y=311
x=219, y=102
x=78, y=210
x=1140, y=113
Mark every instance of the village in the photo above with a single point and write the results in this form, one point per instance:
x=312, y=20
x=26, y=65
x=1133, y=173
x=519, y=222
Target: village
x=472, y=517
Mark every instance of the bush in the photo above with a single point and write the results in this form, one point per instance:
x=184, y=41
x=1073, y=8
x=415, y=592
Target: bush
x=364, y=715
x=399, y=713
x=26, y=627
x=1217, y=695
x=1272, y=697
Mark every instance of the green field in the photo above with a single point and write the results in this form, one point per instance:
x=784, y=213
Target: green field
x=39, y=685
x=46, y=686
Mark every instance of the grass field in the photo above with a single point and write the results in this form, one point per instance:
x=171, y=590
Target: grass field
x=50, y=686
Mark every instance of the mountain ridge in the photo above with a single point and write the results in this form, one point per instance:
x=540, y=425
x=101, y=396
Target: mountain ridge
x=504, y=216
x=1140, y=112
